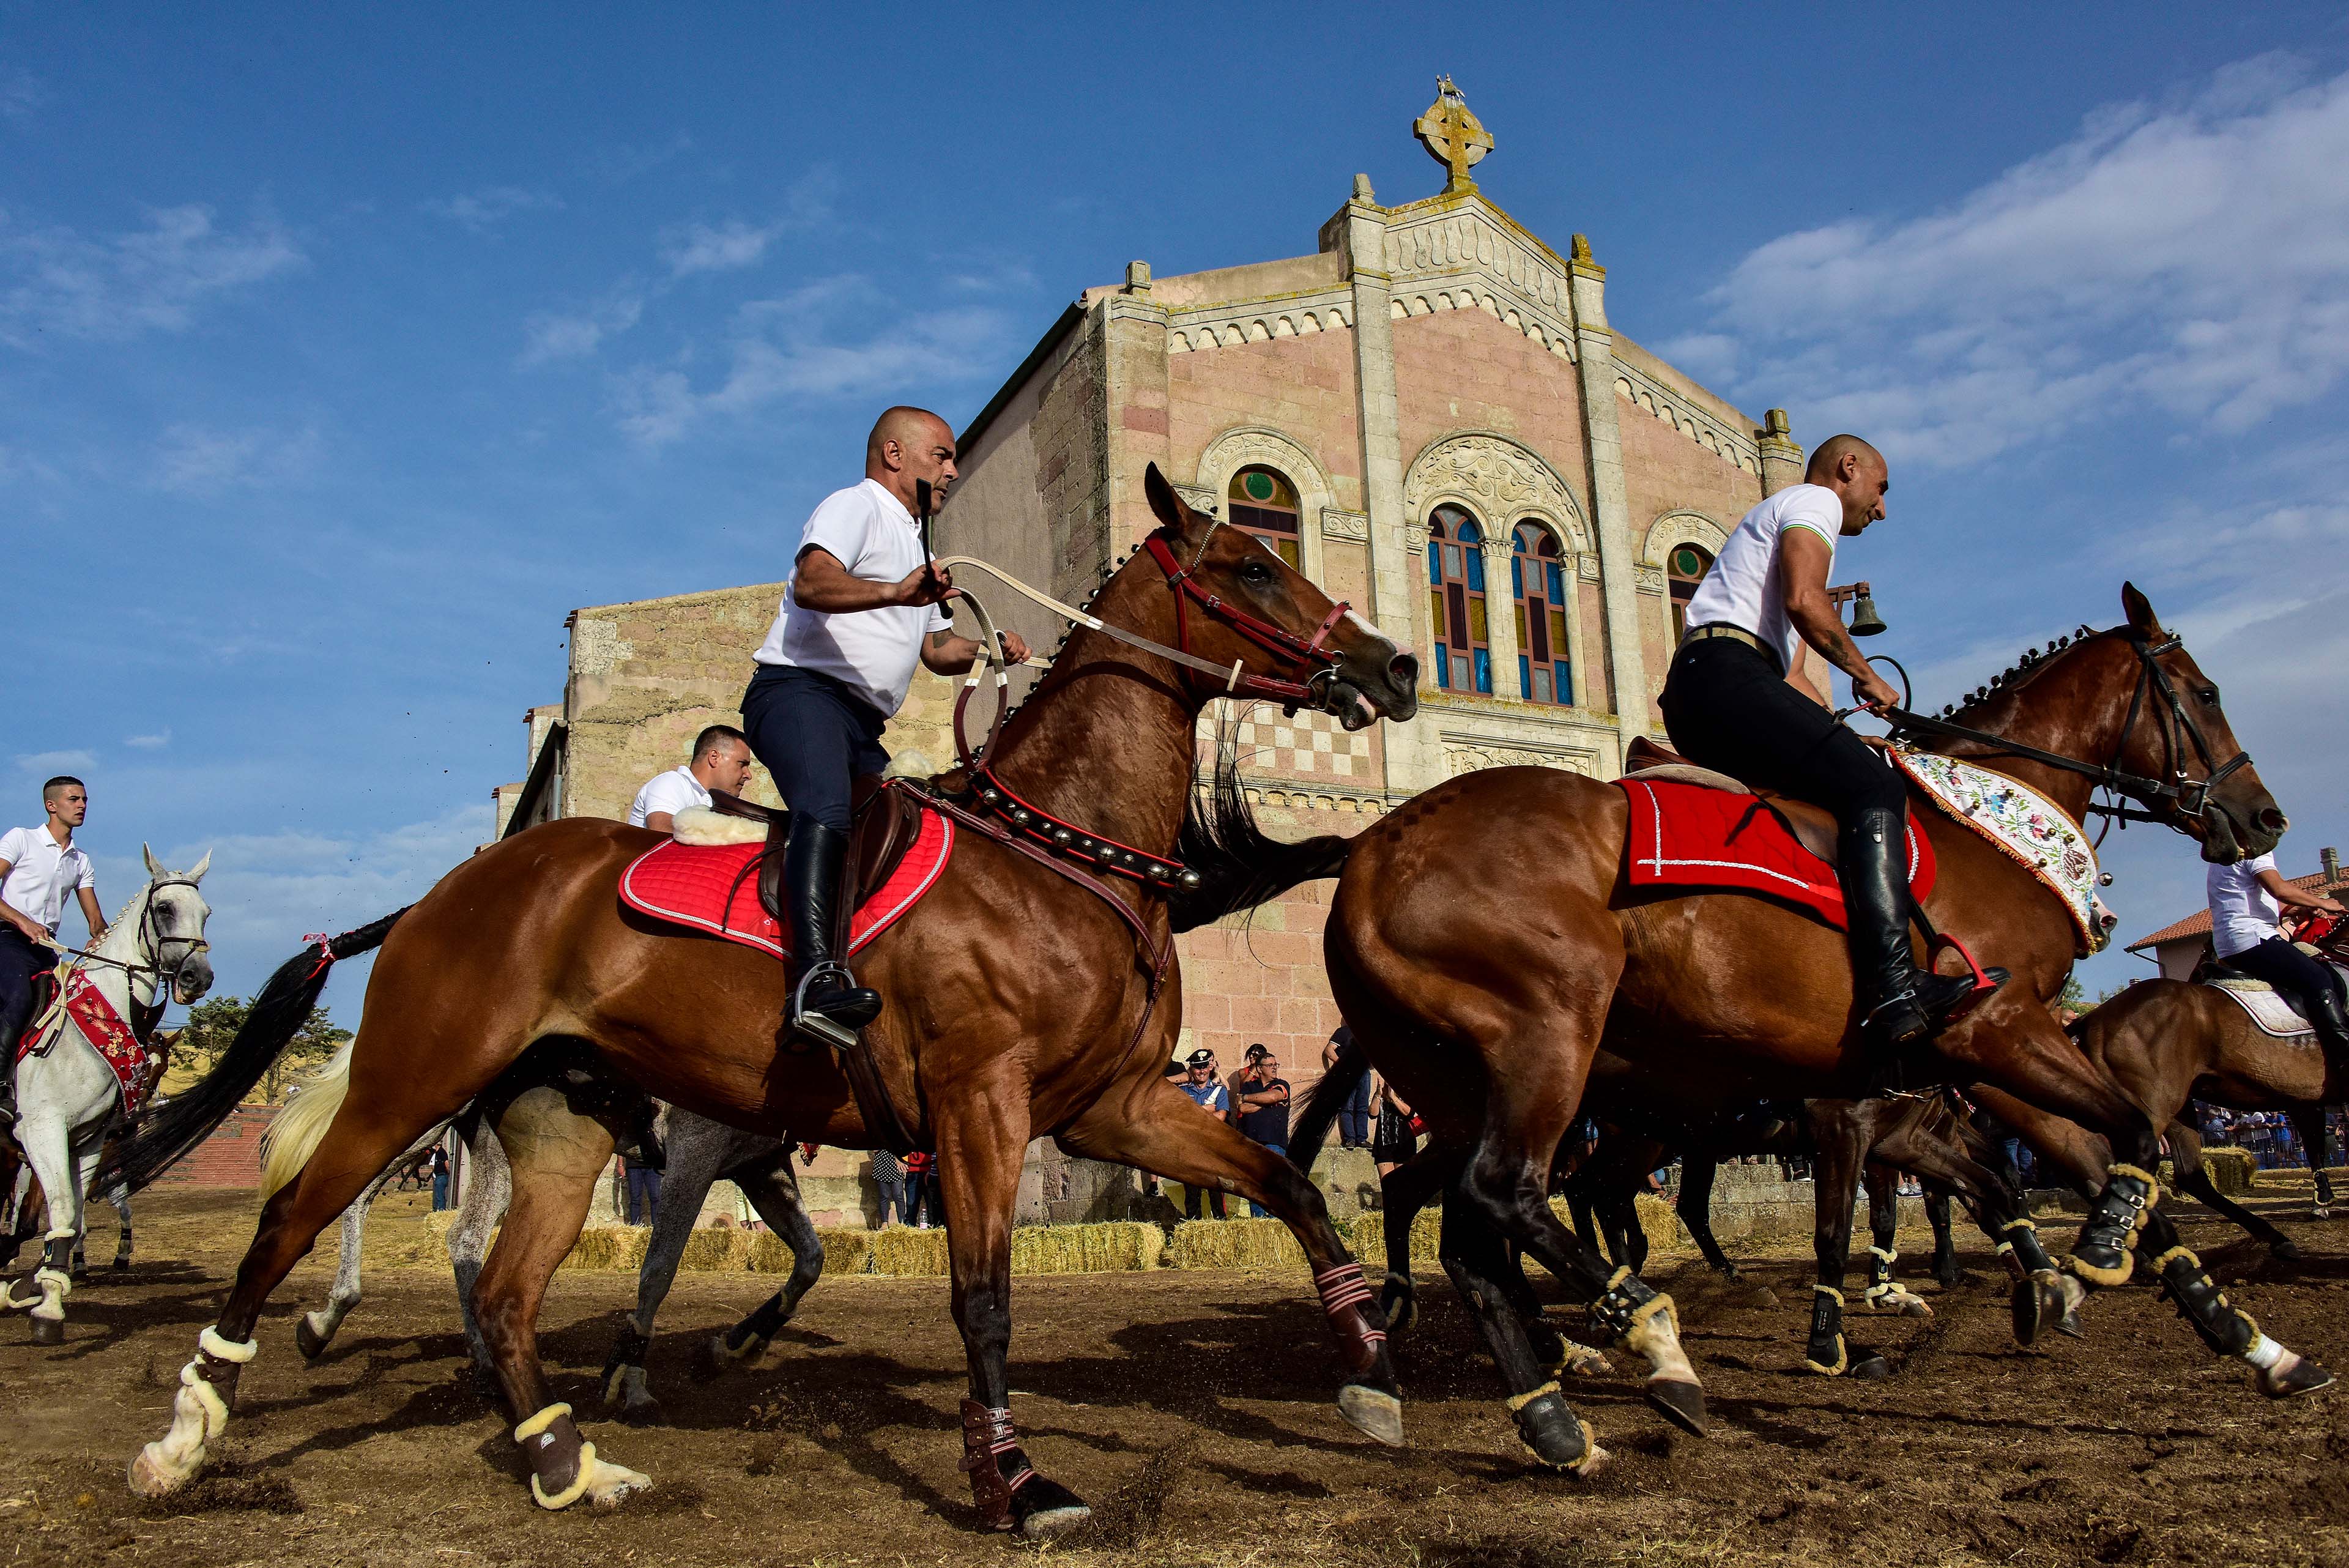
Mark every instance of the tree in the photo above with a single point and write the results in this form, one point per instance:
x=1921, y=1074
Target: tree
x=212, y=1025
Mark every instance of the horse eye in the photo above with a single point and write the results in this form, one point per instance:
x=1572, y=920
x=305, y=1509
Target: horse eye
x=2210, y=695
x=1256, y=572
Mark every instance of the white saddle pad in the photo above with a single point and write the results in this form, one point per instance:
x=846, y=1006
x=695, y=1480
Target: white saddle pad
x=2267, y=1006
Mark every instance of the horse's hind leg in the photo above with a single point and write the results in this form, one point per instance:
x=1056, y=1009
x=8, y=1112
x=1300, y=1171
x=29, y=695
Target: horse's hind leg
x=1481, y=1269
x=696, y=1150
x=120, y=1198
x=1840, y=1129
x=2224, y=1327
x=774, y=1192
x=2193, y=1177
x=1884, y=1293
x=316, y=1330
x=489, y=1192
x=1694, y=1206
x=1402, y=1193
x=61, y=1169
x=1945, y=1248
x=555, y=1156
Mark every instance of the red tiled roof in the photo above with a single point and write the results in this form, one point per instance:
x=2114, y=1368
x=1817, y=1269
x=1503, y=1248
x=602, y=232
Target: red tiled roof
x=2197, y=924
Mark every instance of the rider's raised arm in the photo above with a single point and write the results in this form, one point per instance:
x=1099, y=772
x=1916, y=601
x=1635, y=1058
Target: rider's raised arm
x=1803, y=558
x=821, y=583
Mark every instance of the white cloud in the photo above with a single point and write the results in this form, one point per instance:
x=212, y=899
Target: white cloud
x=724, y=247
x=154, y=743
x=549, y=335
x=193, y=459
x=2191, y=258
x=53, y=280
x=483, y=210
x=781, y=349
x=54, y=762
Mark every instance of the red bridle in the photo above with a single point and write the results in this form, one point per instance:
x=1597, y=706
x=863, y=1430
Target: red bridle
x=1313, y=692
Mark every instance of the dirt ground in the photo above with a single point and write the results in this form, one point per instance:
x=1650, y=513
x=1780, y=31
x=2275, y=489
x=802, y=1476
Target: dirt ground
x=1167, y=1400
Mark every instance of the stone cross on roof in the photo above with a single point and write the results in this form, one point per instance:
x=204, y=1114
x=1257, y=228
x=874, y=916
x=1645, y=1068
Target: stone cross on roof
x=1452, y=137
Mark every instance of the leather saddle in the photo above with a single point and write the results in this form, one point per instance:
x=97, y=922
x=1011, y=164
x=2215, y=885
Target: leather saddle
x=1814, y=827
x=884, y=821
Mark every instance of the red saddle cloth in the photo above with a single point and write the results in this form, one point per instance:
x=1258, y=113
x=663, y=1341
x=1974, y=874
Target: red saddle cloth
x=715, y=888
x=90, y=1013
x=1686, y=836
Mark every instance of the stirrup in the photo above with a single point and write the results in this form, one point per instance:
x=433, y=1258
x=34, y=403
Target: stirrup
x=810, y=1022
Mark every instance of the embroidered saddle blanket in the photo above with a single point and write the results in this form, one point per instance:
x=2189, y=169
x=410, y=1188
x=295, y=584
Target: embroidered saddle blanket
x=86, y=1010
x=1693, y=835
x=2268, y=1008
x=2025, y=826
x=715, y=888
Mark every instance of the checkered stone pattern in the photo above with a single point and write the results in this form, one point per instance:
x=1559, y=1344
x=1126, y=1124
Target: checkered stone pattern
x=1311, y=745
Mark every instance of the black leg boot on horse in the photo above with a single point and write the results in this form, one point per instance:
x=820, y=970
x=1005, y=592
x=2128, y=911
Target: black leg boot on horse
x=799, y=883
x=1906, y=1005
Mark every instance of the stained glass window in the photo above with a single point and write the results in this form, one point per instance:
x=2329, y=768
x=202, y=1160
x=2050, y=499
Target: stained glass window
x=1265, y=504
x=1537, y=579
x=1455, y=584
x=1685, y=570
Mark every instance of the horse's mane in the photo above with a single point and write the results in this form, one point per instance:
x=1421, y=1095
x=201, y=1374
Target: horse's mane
x=2030, y=663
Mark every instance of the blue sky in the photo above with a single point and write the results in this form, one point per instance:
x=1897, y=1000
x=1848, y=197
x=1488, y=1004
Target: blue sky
x=344, y=350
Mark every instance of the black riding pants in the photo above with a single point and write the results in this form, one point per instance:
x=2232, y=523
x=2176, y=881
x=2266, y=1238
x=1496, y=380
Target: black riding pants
x=20, y=962
x=1726, y=707
x=2289, y=971
x=814, y=736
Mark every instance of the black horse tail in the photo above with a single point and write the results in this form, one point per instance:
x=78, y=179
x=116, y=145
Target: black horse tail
x=1321, y=1107
x=276, y=1016
x=1239, y=866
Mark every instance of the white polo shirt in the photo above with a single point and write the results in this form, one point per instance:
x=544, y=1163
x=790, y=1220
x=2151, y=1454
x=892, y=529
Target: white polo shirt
x=1746, y=586
x=2243, y=913
x=41, y=874
x=873, y=651
x=671, y=792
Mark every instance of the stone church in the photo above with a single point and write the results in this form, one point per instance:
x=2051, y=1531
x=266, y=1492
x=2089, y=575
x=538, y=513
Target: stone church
x=1430, y=414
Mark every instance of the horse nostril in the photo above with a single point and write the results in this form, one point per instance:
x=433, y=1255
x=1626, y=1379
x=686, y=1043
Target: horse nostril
x=2273, y=820
x=1403, y=670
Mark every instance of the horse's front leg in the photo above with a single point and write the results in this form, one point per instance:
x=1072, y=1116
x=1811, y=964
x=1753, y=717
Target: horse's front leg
x=982, y=1140
x=60, y=1169
x=1156, y=1127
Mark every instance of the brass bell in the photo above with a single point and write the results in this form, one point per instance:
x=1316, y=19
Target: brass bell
x=1865, y=621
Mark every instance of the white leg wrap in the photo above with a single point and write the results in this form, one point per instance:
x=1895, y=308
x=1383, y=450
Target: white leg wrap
x=198, y=1415
x=2265, y=1353
x=55, y=1288
x=227, y=1349
x=1657, y=1336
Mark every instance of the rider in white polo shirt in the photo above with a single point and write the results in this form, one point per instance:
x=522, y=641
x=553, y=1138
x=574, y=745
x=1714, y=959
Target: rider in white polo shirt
x=40, y=868
x=2245, y=898
x=1737, y=700
x=864, y=604
x=720, y=761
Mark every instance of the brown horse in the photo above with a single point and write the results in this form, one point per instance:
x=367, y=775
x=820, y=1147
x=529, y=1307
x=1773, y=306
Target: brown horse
x=1487, y=992
x=1021, y=1004
x=2167, y=1041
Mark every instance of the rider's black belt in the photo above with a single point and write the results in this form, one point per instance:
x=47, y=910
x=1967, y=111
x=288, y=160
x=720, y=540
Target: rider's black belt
x=1696, y=634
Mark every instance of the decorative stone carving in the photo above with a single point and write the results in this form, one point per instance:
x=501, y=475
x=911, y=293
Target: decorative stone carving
x=1497, y=479
x=1468, y=756
x=1200, y=498
x=1249, y=445
x=1673, y=529
x=1354, y=526
x=1650, y=579
x=1587, y=568
x=1659, y=401
x=1258, y=324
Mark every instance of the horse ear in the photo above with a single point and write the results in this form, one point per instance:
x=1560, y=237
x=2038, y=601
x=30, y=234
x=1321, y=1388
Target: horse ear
x=201, y=867
x=1168, y=505
x=2140, y=613
x=154, y=867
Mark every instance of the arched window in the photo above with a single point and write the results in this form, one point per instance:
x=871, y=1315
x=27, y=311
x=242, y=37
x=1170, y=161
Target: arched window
x=1455, y=580
x=1537, y=578
x=1687, y=567
x=1265, y=504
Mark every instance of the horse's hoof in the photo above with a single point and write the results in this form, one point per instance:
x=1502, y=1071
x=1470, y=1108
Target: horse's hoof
x=1868, y=1366
x=1043, y=1508
x=613, y=1484
x=2038, y=1301
x=149, y=1479
x=2294, y=1374
x=2075, y=1293
x=1375, y=1414
x=724, y=1357
x=49, y=1330
x=2322, y=1212
x=1556, y=1436
x=2287, y=1250
x=1682, y=1404
x=307, y=1340
x=120, y=1266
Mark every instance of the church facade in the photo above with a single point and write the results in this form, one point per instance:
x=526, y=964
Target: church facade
x=1430, y=413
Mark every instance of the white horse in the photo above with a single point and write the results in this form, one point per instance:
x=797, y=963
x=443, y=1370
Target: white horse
x=66, y=1095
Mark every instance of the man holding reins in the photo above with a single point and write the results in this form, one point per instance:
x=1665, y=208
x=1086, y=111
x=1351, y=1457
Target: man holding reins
x=1737, y=700
x=2247, y=901
x=864, y=604
x=39, y=868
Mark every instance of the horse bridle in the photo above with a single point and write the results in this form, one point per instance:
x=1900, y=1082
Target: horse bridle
x=2189, y=798
x=1321, y=691
x=152, y=938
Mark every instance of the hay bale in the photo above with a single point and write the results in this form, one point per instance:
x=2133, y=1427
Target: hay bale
x=618, y=1247
x=2231, y=1169
x=1367, y=1238
x=846, y=1252
x=717, y=1249
x=1233, y=1244
x=905, y=1252
x=1109, y=1246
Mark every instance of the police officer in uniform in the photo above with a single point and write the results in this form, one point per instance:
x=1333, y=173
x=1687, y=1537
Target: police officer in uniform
x=1737, y=700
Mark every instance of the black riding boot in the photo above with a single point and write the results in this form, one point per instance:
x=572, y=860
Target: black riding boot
x=2331, y=1022
x=1906, y=1005
x=827, y=1005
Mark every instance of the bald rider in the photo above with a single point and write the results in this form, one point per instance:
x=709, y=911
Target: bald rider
x=1737, y=700
x=40, y=868
x=720, y=761
x=863, y=606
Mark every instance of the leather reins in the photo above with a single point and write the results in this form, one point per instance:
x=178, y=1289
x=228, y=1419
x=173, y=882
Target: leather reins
x=2189, y=797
